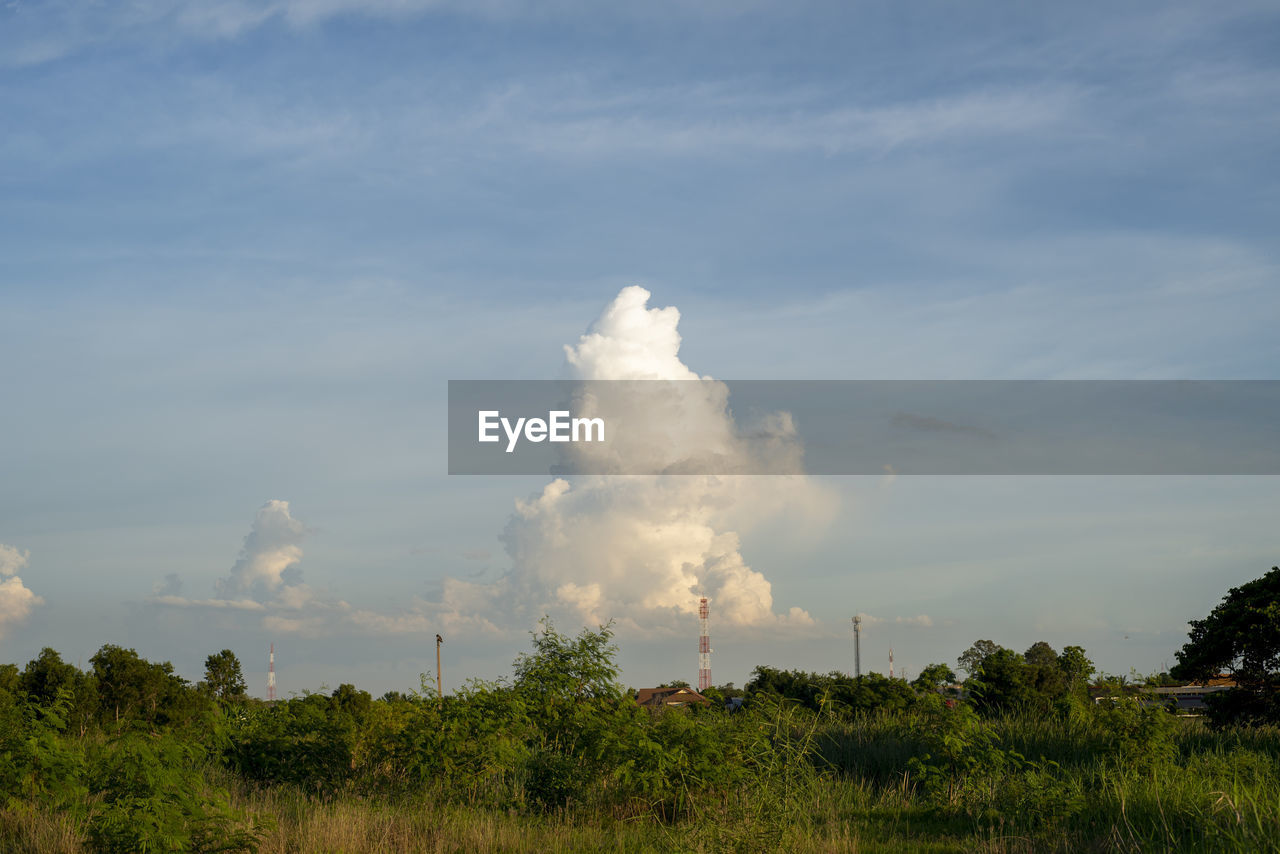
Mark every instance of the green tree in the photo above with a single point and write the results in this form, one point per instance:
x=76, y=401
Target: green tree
x=130, y=688
x=46, y=675
x=9, y=678
x=222, y=677
x=1242, y=637
x=934, y=677
x=1044, y=672
x=1077, y=669
x=972, y=657
x=844, y=693
x=569, y=667
x=1002, y=682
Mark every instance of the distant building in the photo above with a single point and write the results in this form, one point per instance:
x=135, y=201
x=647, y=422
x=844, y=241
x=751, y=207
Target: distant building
x=1190, y=698
x=657, y=698
x=1187, y=698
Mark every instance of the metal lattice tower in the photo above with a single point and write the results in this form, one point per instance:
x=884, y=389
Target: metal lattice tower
x=890, y=662
x=271, y=675
x=704, y=646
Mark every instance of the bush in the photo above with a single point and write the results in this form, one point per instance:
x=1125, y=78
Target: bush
x=154, y=798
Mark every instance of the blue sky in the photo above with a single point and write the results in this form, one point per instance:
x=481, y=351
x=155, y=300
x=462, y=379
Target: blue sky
x=243, y=246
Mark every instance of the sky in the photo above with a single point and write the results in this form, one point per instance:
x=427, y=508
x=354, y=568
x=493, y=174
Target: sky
x=244, y=246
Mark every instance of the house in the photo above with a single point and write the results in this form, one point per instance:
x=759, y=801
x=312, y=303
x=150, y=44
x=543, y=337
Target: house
x=657, y=698
x=1190, y=698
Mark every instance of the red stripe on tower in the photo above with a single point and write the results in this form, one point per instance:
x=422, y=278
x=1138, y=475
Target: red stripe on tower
x=704, y=646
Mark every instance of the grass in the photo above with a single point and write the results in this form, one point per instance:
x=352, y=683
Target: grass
x=1193, y=789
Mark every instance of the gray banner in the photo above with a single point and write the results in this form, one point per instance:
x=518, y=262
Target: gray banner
x=864, y=427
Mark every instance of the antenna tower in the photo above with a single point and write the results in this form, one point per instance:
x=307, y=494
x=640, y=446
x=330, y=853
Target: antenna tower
x=857, y=646
x=271, y=675
x=890, y=662
x=704, y=646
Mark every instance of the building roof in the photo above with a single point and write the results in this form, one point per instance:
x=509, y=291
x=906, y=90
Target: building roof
x=659, y=697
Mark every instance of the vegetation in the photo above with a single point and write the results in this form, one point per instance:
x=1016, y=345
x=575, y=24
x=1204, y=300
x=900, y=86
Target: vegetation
x=1242, y=637
x=130, y=757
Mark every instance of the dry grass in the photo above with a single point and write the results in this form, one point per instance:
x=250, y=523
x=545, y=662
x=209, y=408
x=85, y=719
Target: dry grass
x=24, y=831
x=357, y=826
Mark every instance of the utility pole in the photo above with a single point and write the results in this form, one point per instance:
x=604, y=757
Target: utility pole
x=439, y=675
x=271, y=675
x=857, y=646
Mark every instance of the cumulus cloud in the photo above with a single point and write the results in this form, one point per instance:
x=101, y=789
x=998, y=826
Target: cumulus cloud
x=265, y=575
x=16, y=600
x=12, y=561
x=272, y=547
x=640, y=549
x=637, y=549
x=646, y=547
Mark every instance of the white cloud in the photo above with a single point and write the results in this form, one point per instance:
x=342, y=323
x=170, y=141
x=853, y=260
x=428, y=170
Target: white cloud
x=16, y=600
x=12, y=561
x=264, y=577
x=636, y=549
x=271, y=548
x=921, y=620
x=230, y=604
x=642, y=549
x=698, y=121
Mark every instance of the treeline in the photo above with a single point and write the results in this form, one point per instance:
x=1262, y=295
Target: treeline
x=133, y=752
x=128, y=756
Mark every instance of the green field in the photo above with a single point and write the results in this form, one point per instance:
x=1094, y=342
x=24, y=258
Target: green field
x=128, y=757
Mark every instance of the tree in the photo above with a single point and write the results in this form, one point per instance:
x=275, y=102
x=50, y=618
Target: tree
x=1077, y=669
x=845, y=693
x=46, y=675
x=1044, y=672
x=934, y=677
x=1242, y=637
x=569, y=668
x=222, y=677
x=972, y=657
x=349, y=700
x=1002, y=681
x=131, y=688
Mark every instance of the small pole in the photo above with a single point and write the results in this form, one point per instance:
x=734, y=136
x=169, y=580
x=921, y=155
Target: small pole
x=439, y=675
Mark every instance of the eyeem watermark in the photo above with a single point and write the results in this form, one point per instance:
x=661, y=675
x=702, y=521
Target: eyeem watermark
x=558, y=426
x=864, y=427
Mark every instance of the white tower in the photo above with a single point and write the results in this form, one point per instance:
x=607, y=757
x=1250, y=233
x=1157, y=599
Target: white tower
x=857, y=646
x=704, y=646
x=271, y=675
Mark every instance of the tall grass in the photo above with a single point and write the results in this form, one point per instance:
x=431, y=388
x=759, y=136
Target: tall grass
x=1067, y=782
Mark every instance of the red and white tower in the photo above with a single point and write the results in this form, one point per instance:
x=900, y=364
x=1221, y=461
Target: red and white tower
x=890, y=662
x=704, y=646
x=271, y=675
